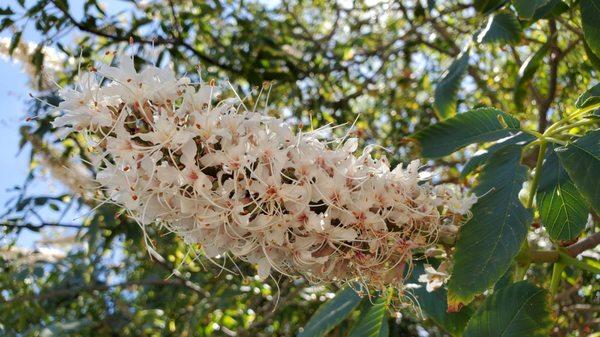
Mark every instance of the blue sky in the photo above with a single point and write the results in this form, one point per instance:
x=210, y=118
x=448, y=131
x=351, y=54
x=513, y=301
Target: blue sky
x=14, y=92
x=14, y=168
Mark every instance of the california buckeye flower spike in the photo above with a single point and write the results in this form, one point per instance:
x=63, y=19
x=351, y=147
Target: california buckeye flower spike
x=237, y=182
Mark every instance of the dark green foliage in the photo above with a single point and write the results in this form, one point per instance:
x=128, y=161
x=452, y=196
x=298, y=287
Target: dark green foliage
x=590, y=11
x=373, y=321
x=332, y=313
x=490, y=240
x=517, y=310
x=447, y=87
x=563, y=211
x=581, y=160
x=501, y=27
x=474, y=126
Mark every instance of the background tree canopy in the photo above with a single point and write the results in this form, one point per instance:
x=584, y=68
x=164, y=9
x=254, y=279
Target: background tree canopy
x=444, y=80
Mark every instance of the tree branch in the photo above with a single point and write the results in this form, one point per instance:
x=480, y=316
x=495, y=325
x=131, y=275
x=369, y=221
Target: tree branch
x=552, y=82
x=64, y=292
x=37, y=227
x=541, y=256
x=583, y=245
x=157, y=41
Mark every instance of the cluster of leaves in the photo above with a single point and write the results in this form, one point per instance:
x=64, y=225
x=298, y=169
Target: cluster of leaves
x=402, y=66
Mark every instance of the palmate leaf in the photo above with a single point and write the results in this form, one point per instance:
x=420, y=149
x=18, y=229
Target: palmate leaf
x=590, y=12
x=444, y=102
x=526, y=72
x=563, y=211
x=527, y=8
x=593, y=58
x=506, y=279
x=581, y=160
x=589, y=97
x=331, y=313
x=474, y=126
x=485, y=6
x=434, y=306
x=489, y=241
x=479, y=159
x=517, y=310
x=14, y=42
x=373, y=321
x=552, y=8
x=501, y=27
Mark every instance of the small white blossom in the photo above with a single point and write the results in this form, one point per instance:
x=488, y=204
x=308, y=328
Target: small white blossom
x=434, y=278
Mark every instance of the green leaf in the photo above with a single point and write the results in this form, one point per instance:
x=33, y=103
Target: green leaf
x=501, y=27
x=434, y=306
x=563, y=211
x=590, y=12
x=506, y=279
x=485, y=6
x=581, y=160
x=489, y=241
x=372, y=322
x=552, y=8
x=331, y=313
x=526, y=8
x=5, y=22
x=479, y=159
x=37, y=58
x=474, y=126
x=589, y=97
x=594, y=59
x=62, y=4
x=6, y=11
x=445, y=92
x=518, y=310
x=526, y=72
x=14, y=42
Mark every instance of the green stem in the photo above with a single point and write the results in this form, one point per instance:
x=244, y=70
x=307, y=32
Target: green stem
x=556, y=276
x=523, y=261
x=556, y=141
x=390, y=295
x=538, y=169
x=566, y=259
x=571, y=116
x=574, y=125
x=533, y=133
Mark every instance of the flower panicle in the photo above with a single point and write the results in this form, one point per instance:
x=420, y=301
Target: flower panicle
x=237, y=182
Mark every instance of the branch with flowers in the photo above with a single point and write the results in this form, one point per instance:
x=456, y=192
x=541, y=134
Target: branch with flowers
x=224, y=175
x=234, y=178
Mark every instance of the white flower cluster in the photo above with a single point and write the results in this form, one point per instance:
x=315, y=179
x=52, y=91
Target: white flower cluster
x=72, y=174
x=23, y=53
x=28, y=256
x=238, y=182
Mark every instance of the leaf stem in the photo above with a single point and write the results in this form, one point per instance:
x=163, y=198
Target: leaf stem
x=574, y=125
x=538, y=169
x=523, y=261
x=557, y=270
x=552, y=128
x=556, y=141
x=533, y=133
x=566, y=259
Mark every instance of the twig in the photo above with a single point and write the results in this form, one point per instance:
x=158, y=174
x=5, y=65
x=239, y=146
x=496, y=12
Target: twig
x=99, y=287
x=157, y=41
x=573, y=250
x=36, y=227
